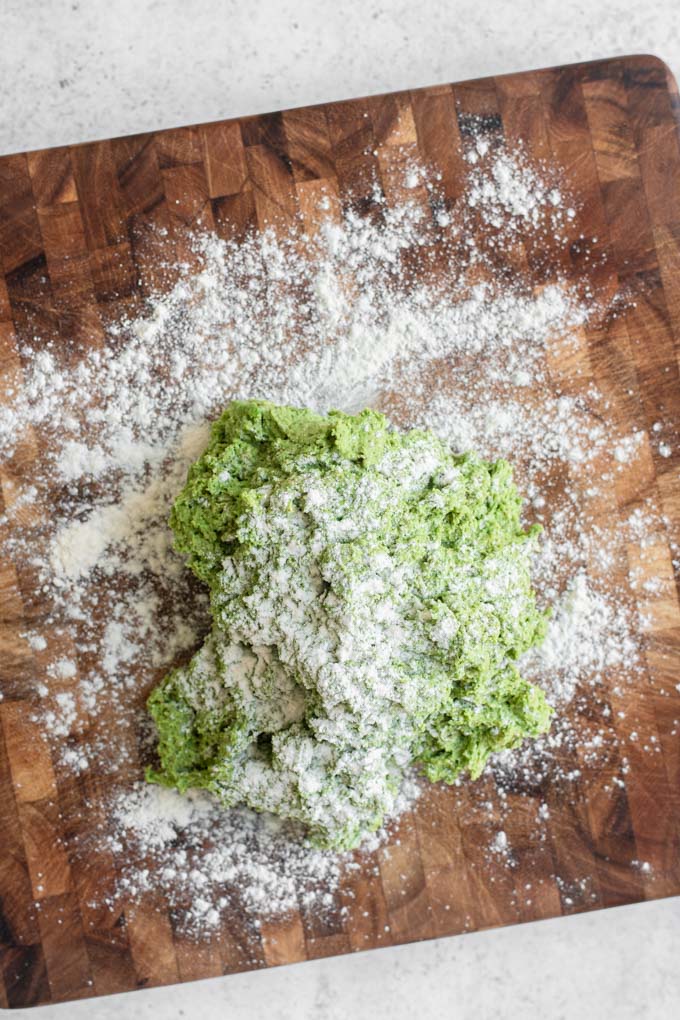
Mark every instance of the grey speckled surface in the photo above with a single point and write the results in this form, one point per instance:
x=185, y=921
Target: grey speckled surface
x=72, y=71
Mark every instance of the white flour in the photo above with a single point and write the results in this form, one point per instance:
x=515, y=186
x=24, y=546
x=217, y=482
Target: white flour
x=350, y=317
x=589, y=634
x=214, y=859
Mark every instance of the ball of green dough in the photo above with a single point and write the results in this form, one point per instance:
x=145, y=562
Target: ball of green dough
x=371, y=596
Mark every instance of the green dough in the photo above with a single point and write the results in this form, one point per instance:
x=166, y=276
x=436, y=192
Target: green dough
x=370, y=594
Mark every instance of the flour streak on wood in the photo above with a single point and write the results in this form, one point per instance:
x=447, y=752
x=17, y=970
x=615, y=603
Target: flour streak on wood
x=76, y=249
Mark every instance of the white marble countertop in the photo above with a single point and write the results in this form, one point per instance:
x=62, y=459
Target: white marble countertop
x=74, y=70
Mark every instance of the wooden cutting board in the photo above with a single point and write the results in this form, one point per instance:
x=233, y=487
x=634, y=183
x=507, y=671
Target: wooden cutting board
x=72, y=228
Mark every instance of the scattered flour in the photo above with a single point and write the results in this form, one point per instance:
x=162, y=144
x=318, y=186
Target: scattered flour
x=217, y=860
x=588, y=635
x=36, y=642
x=513, y=202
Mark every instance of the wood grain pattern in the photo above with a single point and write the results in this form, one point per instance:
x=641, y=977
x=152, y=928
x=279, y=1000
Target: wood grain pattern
x=75, y=251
